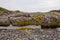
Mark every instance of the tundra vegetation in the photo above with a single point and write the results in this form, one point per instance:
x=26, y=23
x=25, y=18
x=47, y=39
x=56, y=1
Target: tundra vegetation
x=18, y=18
x=28, y=29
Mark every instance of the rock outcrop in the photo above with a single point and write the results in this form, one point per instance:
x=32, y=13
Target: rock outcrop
x=4, y=21
x=18, y=18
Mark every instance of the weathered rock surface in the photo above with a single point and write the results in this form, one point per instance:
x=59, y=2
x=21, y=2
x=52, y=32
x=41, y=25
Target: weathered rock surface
x=4, y=21
x=18, y=18
x=22, y=21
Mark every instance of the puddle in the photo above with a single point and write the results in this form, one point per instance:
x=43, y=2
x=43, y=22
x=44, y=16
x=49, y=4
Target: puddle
x=16, y=27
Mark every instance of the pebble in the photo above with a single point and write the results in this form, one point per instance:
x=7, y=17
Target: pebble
x=11, y=34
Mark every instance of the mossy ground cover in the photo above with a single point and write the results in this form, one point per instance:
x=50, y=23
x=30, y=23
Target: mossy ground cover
x=24, y=23
x=28, y=29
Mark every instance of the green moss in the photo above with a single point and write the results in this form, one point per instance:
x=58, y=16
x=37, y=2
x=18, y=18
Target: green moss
x=3, y=10
x=24, y=23
x=28, y=29
x=53, y=23
x=39, y=16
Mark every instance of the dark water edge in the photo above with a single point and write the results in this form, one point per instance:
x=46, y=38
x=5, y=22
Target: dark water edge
x=29, y=26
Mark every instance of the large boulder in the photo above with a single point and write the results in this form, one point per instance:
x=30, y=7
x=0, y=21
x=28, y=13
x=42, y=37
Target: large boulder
x=4, y=21
x=22, y=21
x=51, y=20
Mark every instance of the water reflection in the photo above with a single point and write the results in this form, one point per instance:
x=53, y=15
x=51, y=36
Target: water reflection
x=16, y=27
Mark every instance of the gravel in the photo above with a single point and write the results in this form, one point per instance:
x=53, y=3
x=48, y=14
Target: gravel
x=40, y=34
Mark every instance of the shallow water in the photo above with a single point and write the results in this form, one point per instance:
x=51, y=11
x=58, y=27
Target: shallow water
x=16, y=27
